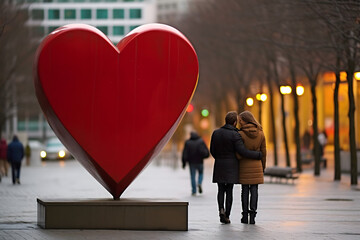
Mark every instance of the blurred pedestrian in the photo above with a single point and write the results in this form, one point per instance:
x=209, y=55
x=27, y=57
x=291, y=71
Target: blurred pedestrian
x=15, y=154
x=251, y=173
x=225, y=143
x=322, y=138
x=195, y=150
x=306, y=140
x=3, y=158
x=27, y=154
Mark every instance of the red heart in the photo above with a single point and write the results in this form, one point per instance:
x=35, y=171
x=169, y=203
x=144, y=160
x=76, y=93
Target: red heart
x=113, y=107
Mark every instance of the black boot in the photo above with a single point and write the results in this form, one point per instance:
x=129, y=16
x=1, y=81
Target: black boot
x=245, y=218
x=252, y=217
x=223, y=218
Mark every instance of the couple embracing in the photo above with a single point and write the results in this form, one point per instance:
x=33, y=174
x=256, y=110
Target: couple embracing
x=240, y=158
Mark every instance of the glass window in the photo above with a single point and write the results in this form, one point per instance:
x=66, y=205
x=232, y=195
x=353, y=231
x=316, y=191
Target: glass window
x=33, y=125
x=54, y=14
x=101, y=13
x=37, y=31
x=37, y=14
x=70, y=14
x=118, y=30
x=118, y=13
x=21, y=126
x=52, y=28
x=135, y=13
x=104, y=29
x=85, y=13
x=133, y=27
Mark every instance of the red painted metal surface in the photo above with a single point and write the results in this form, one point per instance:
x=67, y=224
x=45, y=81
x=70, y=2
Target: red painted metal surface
x=115, y=107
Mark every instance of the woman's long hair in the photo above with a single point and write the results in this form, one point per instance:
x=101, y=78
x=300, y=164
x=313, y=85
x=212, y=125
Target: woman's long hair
x=248, y=117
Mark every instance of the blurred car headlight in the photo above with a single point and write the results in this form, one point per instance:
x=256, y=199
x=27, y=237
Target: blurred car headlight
x=43, y=154
x=61, y=153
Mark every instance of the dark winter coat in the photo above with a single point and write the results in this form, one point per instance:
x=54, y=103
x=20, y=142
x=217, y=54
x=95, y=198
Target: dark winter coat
x=225, y=142
x=251, y=171
x=3, y=149
x=195, y=150
x=15, y=151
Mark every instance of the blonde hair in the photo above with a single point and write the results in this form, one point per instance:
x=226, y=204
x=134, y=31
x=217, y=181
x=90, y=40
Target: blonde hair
x=248, y=117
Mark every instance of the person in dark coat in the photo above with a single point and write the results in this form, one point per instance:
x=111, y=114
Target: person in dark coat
x=15, y=154
x=195, y=150
x=225, y=143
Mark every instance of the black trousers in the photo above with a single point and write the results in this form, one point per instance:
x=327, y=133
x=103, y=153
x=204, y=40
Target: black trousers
x=225, y=190
x=15, y=170
x=245, y=190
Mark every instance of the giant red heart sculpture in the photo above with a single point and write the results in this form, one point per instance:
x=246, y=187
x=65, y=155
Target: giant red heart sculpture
x=113, y=107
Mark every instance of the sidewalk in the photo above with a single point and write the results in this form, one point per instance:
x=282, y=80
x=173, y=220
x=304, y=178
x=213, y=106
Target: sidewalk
x=312, y=208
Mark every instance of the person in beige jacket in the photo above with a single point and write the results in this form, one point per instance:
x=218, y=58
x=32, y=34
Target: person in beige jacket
x=251, y=172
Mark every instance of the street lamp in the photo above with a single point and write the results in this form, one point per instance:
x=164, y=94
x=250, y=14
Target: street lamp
x=285, y=90
x=250, y=101
x=357, y=76
x=299, y=90
x=261, y=97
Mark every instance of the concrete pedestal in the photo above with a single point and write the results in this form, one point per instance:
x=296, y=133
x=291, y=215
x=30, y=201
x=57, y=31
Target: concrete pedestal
x=126, y=214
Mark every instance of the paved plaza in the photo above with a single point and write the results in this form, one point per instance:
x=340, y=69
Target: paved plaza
x=311, y=208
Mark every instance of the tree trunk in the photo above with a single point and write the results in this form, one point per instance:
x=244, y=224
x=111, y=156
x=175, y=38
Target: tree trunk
x=272, y=113
x=284, y=130
x=297, y=131
x=316, y=150
x=260, y=111
x=277, y=80
x=353, y=157
x=337, y=163
x=296, y=116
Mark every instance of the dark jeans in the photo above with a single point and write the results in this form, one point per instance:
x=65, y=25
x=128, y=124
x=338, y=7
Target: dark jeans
x=225, y=188
x=245, y=189
x=199, y=167
x=15, y=170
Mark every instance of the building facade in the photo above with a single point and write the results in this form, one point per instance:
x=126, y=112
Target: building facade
x=114, y=18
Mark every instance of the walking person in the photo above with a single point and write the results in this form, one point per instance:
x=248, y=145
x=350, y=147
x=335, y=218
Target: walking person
x=15, y=154
x=3, y=158
x=27, y=154
x=322, y=138
x=225, y=143
x=251, y=173
x=195, y=150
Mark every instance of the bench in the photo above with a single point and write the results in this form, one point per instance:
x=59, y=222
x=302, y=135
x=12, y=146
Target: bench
x=280, y=173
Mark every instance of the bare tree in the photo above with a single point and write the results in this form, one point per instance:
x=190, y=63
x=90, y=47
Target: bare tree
x=16, y=56
x=342, y=19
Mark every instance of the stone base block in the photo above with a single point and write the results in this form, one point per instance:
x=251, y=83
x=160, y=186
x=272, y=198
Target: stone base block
x=126, y=214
